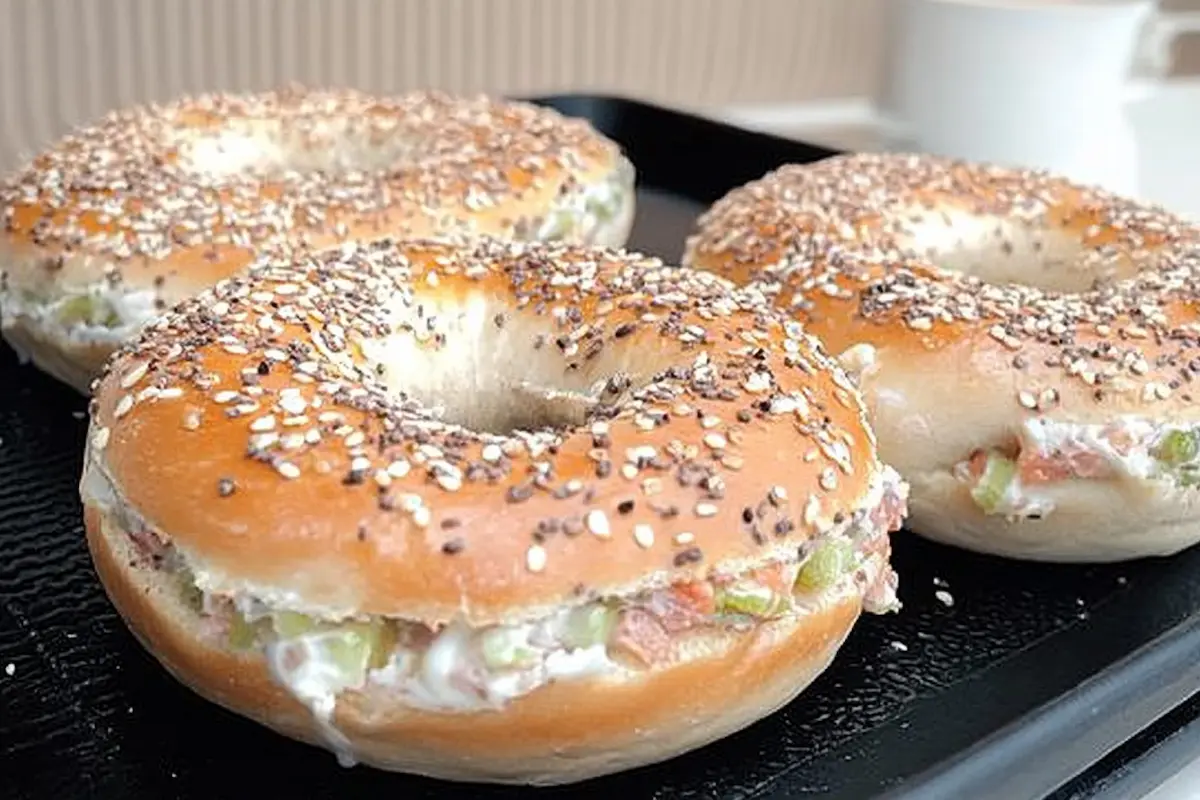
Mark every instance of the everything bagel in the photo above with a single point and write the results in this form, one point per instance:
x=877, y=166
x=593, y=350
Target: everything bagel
x=126, y=217
x=1027, y=347
x=493, y=512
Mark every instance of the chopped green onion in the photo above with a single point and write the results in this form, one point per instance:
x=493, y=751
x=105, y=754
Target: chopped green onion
x=589, y=625
x=289, y=624
x=76, y=309
x=242, y=634
x=88, y=309
x=356, y=647
x=604, y=209
x=563, y=224
x=1177, y=447
x=192, y=597
x=504, y=649
x=353, y=647
x=828, y=563
x=997, y=476
x=746, y=598
x=1188, y=475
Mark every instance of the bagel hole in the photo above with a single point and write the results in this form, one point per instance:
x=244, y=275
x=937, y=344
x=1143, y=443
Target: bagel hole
x=1001, y=250
x=269, y=149
x=493, y=371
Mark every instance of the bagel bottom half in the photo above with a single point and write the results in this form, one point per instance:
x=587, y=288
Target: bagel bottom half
x=53, y=351
x=563, y=732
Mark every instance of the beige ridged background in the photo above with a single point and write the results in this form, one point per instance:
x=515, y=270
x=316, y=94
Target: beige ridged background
x=65, y=61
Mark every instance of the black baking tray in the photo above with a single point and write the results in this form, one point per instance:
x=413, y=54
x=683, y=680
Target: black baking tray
x=1037, y=680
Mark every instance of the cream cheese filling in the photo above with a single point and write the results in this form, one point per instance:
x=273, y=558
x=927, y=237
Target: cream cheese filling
x=97, y=314
x=459, y=668
x=589, y=214
x=1128, y=448
x=106, y=314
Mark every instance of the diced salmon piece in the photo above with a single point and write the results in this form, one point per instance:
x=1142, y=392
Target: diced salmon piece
x=641, y=635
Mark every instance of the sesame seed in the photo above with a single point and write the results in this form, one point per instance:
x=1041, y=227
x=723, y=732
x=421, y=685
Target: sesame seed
x=597, y=523
x=652, y=486
x=828, y=479
x=449, y=482
x=644, y=535
x=288, y=470
x=263, y=424
x=535, y=558
x=706, y=510
x=757, y=383
x=1151, y=391
x=921, y=324
x=293, y=404
x=100, y=438
x=135, y=374
x=715, y=440
x=519, y=493
x=124, y=406
x=812, y=510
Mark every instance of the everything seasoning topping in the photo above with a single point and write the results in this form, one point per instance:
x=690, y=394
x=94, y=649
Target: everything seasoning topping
x=685, y=351
x=871, y=232
x=150, y=181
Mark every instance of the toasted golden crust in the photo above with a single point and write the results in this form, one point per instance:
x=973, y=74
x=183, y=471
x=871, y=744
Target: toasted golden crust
x=972, y=300
x=280, y=429
x=167, y=200
x=562, y=732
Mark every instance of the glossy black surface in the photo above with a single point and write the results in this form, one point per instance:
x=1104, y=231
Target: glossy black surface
x=1031, y=675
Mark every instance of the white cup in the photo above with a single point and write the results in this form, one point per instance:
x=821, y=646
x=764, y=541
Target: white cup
x=1031, y=83
x=1167, y=128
